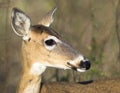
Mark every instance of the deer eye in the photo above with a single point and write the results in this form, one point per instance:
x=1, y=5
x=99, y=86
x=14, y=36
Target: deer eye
x=50, y=42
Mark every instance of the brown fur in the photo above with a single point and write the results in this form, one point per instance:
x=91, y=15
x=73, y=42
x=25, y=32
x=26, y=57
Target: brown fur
x=34, y=50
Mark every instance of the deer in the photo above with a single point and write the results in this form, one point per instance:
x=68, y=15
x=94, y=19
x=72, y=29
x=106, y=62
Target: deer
x=43, y=47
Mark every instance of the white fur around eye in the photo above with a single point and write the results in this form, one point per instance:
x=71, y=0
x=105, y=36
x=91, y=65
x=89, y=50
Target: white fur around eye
x=52, y=46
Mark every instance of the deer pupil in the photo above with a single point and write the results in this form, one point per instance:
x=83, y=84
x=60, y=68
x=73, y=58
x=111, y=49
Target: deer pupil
x=50, y=42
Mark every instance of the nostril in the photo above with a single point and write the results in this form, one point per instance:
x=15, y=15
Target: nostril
x=85, y=64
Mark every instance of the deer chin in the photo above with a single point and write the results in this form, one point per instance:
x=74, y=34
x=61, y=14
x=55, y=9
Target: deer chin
x=81, y=70
x=71, y=66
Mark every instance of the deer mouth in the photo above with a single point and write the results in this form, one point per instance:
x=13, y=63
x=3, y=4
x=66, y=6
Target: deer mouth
x=71, y=66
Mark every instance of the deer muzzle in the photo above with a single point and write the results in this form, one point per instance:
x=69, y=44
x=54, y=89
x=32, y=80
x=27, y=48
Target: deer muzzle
x=80, y=66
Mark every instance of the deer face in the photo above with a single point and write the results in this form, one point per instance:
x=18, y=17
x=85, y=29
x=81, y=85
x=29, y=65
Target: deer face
x=44, y=46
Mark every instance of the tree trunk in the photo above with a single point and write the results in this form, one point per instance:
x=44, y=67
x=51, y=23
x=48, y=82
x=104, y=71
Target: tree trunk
x=101, y=86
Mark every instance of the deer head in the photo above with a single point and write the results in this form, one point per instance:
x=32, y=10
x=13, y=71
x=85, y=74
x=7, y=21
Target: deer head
x=45, y=46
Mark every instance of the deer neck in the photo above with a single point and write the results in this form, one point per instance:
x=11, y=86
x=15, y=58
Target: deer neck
x=30, y=79
x=29, y=84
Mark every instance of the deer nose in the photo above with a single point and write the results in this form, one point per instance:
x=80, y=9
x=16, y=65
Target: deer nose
x=85, y=64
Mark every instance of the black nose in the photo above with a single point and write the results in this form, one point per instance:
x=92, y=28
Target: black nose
x=85, y=64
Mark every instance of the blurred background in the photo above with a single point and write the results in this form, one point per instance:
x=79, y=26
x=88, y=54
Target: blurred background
x=90, y=26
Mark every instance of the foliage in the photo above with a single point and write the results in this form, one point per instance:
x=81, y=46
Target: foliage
x=91, y=26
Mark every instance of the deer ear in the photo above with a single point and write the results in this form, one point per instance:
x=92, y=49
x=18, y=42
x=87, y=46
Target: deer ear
x=48, y=18
x=20, y=22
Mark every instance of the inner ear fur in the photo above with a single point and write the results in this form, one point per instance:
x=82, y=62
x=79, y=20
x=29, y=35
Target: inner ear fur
x=20, y=22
